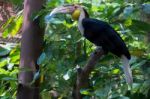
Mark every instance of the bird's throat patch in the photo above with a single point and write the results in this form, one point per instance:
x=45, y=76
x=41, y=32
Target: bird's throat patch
x=76, y=14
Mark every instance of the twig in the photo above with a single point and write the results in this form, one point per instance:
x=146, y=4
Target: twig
x=83, y=73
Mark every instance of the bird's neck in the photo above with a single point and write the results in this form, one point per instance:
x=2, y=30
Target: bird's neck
x=81, y=17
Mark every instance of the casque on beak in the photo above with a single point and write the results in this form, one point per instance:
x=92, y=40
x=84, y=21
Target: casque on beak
x=62, y=9
x=74, y=10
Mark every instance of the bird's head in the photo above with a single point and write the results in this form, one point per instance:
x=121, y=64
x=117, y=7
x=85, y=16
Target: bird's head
x=74, y=10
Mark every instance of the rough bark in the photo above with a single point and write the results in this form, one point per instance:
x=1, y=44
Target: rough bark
x=31, y=48
x=83, y=74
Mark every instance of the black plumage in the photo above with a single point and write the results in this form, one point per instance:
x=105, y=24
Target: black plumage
x=102, y=34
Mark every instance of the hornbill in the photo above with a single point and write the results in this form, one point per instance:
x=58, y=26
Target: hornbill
x=100, y=33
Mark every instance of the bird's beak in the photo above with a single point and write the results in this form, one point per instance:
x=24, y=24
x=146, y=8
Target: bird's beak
x=62, y=9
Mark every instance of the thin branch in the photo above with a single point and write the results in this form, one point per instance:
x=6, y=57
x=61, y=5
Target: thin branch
x=83, y=74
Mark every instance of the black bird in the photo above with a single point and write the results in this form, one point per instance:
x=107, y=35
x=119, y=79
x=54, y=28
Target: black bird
x=100, y=33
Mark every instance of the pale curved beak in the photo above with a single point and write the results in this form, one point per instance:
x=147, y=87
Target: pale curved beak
x=61, y=9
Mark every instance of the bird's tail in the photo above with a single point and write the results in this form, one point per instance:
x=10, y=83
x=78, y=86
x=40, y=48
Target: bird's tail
x=127, y=70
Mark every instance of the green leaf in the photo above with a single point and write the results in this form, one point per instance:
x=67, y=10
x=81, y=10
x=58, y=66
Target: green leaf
x=102, y=93
x=116, y=71
x=3, y=51
x=12, y=26
x=41, y=59
x=3, y=71
x=16, y=2
x=146, y=8
x=3, y=63
x=128, y=11
x=138, y=64
x=137, y=26
x=145, y=87
x=9, y=78
x=123, y=97
x=85, y=92
x=135, y=87
x=128, y=22
x=18, y=24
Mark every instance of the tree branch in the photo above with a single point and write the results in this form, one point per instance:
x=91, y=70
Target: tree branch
x=83, y=73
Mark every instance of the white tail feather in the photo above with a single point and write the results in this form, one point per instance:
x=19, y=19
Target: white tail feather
x=127, y=70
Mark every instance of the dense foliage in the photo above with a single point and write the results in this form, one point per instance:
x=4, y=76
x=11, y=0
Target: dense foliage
x=65, y=49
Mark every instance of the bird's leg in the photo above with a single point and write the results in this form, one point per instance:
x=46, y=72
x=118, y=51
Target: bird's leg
x=97, y=50
x=79, y=69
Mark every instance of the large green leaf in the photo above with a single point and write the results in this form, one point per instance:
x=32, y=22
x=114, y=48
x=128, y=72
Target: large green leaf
x=13, y=26
x=138, y=26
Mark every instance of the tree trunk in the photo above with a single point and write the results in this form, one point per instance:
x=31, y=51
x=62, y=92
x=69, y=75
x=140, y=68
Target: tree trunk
x=31, y=48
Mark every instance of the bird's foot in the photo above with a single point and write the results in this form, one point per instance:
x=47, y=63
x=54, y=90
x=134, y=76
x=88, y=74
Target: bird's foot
x=97, y=50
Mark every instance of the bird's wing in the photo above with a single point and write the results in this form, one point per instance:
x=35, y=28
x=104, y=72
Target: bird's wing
x=100, y=32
